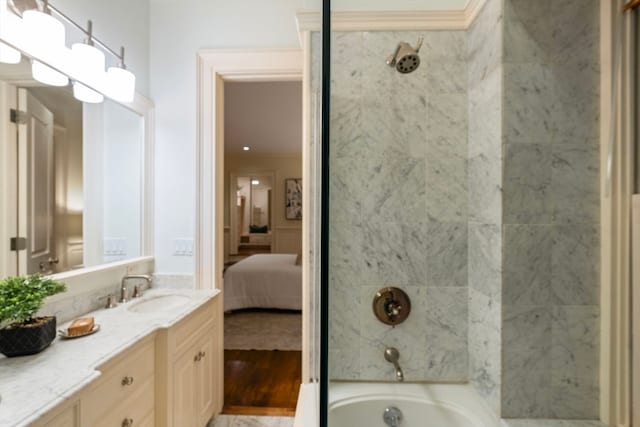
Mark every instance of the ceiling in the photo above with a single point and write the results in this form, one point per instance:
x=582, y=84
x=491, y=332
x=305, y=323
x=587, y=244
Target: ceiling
x=265, y=116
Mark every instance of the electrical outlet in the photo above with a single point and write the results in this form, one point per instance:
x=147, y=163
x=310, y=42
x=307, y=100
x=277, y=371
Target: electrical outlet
x=183, y=247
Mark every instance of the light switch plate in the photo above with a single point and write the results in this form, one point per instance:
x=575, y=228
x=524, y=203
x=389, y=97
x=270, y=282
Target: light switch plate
x=183, y=247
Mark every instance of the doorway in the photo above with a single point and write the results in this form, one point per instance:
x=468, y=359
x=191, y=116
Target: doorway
x=216, y=69
x=263, y=244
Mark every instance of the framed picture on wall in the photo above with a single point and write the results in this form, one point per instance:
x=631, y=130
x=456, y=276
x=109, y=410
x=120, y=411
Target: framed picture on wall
x=293, y=198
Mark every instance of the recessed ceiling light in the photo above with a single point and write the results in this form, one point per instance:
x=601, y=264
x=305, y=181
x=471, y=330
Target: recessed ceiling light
x=255, y=182
x=245, y=148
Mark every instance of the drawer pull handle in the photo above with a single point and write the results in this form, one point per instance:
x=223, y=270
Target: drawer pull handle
x=196, y=358
x=203, y=354
x=127, y=422
x=127, y=381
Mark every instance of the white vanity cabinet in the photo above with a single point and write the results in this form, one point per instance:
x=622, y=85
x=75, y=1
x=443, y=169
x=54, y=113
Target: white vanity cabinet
x=124, y=394
x=190, y=359
x=168, y=375
x=67, y=415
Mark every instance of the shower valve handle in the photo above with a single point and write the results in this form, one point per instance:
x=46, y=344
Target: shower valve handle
x=393, y=308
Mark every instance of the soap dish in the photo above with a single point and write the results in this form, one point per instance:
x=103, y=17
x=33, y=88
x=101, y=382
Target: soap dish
x=65, y=335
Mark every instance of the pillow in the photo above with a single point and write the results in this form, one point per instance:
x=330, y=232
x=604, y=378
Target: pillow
x=299, y=259
x=261, y=229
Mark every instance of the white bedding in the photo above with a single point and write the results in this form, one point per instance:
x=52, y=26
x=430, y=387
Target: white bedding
x=264, y=281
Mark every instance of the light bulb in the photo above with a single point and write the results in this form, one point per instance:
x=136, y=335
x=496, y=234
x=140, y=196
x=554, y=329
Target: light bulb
x=88, y=61
x=47, y=75
x=8, y=55
x=85, y=94
x=44, y=34
x=121, y=84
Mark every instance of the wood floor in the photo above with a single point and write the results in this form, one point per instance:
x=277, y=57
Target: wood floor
x=258, y=382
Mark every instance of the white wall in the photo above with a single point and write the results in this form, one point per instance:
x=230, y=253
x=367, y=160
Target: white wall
x=117, y=23
x=179, y=28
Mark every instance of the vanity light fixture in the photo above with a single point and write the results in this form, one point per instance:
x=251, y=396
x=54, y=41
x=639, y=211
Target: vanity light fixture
x=47, y=75
x=8, y=55
x=45, y=36
x=122, y=82
x=85, y=94
x=40, y=36
x=89, y=62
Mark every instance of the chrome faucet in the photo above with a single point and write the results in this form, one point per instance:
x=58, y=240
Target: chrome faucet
x=123, y=286
x=392, y=355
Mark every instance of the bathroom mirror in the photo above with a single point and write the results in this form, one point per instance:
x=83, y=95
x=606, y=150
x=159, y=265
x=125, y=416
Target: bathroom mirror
x=72, y=178
x=252, y=217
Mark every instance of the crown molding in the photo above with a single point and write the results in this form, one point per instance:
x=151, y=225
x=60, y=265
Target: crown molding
x=393, y=20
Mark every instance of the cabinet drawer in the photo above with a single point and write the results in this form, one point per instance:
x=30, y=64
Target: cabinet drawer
x=138, y=409
x=121, y=379
x=186, y=331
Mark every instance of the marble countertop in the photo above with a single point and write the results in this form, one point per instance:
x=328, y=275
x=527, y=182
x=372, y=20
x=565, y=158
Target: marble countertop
x=30, y=386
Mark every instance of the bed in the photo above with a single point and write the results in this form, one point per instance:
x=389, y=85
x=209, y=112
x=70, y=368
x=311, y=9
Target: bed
x=264, y=281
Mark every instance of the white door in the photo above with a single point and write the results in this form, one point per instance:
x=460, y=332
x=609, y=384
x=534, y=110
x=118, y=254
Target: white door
x=37, y=186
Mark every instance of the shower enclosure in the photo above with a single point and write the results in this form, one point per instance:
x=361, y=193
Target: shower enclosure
x=464, y=170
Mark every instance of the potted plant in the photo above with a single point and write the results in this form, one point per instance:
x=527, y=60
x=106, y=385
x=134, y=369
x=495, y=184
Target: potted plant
x=20, y=299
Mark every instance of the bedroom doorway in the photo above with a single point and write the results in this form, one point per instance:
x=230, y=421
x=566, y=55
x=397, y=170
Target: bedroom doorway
x=263, y=247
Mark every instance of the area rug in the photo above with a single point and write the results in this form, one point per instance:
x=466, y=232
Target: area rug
x=263, y=330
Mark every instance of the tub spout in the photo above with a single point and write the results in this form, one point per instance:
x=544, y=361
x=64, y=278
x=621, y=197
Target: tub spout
x=392, y=355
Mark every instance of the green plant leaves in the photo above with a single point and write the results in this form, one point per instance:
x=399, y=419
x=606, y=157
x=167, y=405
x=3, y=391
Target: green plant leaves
x=21, y=297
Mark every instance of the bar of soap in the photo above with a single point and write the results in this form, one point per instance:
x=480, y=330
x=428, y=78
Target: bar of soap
x=80, y=326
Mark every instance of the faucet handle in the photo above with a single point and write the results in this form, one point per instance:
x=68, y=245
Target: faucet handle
x=111, y=301
x=137, y=292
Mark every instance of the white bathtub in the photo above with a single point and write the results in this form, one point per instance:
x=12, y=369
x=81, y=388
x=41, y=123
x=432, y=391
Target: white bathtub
x=422, y=405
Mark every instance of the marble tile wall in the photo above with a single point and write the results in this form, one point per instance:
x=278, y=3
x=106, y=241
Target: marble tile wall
x=550, y=232
x=485, y=202
x=399, y=205
x=473, y=184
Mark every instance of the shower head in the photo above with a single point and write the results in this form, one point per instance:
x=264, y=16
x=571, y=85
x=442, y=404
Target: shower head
x=405, y=59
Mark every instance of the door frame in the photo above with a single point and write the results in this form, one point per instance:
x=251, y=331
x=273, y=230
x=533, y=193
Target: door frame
x=214, y=67
x=8, y=178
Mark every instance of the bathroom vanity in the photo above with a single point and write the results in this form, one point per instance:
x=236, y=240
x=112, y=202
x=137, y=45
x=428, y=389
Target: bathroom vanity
x=156, y=361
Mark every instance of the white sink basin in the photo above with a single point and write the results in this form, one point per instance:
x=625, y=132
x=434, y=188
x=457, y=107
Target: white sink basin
x=158, y=303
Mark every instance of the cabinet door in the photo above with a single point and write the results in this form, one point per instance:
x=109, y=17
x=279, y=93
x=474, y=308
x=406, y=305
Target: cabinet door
x=184, y=392
x=68, y=418
x=205, y=380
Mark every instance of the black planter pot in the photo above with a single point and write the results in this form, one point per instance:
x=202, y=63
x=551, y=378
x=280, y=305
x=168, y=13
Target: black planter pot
x=25, y=340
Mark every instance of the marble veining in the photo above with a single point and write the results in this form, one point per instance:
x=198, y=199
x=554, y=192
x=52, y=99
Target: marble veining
x=551, y=423
x=529, y=192
x=49, y=371
x=250, y=421
x=527, y=265
x=173, y=281
x=551, y=241
x=485, y=356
